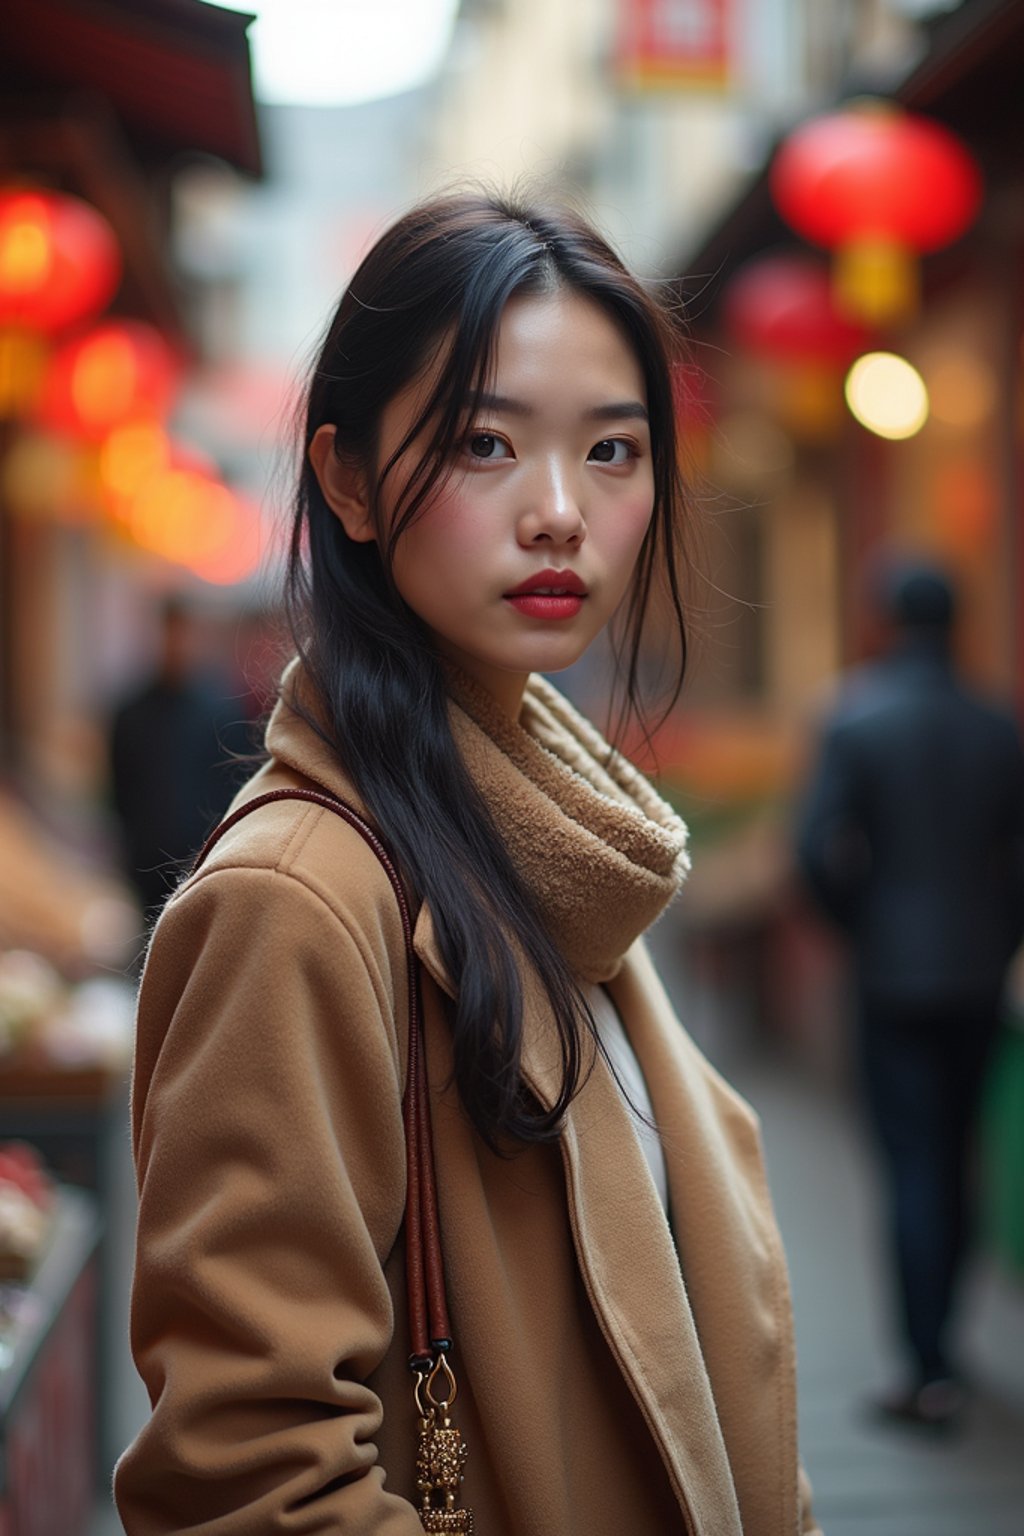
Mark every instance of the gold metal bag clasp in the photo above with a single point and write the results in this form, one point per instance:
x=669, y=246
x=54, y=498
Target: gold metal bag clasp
x=440, y=1455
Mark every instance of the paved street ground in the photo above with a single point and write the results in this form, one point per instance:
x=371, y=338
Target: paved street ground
x=868, y=1481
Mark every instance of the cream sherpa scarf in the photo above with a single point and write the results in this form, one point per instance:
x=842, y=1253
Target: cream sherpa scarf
x=600, y=849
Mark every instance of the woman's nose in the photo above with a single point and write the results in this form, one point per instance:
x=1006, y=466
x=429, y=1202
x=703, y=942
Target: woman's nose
x=553, y=511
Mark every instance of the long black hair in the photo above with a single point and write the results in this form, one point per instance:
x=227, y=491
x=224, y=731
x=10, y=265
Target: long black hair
x=436, y=284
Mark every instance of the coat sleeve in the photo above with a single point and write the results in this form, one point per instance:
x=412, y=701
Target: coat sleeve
x=270, y=1160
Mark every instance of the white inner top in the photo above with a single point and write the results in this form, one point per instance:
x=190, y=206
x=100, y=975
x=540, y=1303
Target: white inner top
x=620, y=1053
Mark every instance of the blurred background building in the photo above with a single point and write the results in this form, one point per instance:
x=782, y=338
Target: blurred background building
x=152, y=344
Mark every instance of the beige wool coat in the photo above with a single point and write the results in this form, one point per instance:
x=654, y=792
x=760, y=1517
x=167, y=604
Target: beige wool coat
x=618, y=1372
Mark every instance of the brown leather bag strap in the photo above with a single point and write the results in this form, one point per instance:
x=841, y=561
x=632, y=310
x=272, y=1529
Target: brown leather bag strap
x=429, y=1328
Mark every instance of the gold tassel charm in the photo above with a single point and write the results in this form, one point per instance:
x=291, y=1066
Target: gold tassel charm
x=440, y=1458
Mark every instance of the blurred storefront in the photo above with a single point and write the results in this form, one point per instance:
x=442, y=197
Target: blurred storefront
x=815, y=496
x=101, y=107
x=818, y=495
x=953, y=486
x=111, y=116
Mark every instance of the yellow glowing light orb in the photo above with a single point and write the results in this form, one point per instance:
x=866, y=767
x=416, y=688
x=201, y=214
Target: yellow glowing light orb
x=132, y=455
x=187, y=517
x=887, y=395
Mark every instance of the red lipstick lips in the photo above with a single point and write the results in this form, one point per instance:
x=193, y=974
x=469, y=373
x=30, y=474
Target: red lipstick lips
x=549, y=595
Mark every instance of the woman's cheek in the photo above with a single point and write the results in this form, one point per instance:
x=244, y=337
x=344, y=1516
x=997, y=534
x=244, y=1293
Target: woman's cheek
x=441, y=563
x=626, y=529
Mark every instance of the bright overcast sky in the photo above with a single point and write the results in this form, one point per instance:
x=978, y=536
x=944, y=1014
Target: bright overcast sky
x=333, y=52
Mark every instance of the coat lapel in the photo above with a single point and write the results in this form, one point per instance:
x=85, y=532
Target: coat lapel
x=424, y=942
x=729, y=1248
x=629, y=1266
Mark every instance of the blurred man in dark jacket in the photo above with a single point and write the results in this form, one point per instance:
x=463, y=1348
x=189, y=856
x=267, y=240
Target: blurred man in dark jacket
x=912, y=840
x=171, y=769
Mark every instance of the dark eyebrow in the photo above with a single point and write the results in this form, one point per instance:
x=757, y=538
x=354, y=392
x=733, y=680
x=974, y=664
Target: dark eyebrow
x=616, y=410
x=504, y=403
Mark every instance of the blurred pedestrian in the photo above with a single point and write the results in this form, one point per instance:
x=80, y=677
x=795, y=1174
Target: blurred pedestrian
x=911, y=838
x=172, y=773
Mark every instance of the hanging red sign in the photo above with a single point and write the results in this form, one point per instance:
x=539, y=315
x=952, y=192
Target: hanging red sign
x=673, y=43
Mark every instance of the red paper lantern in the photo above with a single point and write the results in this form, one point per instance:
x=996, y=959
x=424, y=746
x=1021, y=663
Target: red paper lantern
x=782, y=306
x=877, y=185
x=121, y=371
x=59, y=260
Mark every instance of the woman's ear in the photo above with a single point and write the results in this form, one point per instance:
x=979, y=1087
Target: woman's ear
x=344, y=486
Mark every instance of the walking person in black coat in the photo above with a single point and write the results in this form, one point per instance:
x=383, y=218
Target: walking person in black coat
x=171, y=748
x=911, y=838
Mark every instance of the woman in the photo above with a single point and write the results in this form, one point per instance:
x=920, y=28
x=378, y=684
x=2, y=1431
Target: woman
x=489, y=477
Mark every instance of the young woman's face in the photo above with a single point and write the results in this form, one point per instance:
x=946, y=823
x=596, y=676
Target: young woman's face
x=523, y=555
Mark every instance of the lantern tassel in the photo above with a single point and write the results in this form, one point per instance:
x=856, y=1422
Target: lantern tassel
x=876, y=282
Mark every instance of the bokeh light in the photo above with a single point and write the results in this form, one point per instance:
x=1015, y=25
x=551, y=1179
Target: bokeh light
x=59, y=259
x=187, y=516
x=131, y=455
x=962, y=389
x=887, y=395
x=316, y=54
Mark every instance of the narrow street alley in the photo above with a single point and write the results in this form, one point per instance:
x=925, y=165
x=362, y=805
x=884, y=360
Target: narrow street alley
x=868, y=1479
x=871, y=1480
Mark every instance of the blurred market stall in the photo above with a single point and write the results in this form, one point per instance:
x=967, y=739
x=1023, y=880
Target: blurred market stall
x=102, y=510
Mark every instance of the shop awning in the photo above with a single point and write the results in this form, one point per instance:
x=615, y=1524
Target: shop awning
x=175, y=72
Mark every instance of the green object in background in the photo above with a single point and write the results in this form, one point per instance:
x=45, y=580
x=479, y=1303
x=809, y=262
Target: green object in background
x=1003, y=1143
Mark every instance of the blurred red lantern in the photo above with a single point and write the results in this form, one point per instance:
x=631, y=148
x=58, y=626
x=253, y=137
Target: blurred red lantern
x=59, y=260
x=782, y=306
x=121, y=371
x=878, y=185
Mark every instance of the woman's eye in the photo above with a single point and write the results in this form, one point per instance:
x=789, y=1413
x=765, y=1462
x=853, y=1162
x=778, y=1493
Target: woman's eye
x=487, y=445
x=611, y=450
